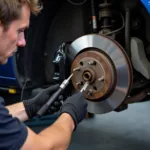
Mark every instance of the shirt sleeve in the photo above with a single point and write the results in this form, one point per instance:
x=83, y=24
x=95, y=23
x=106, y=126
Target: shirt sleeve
x=13, y=133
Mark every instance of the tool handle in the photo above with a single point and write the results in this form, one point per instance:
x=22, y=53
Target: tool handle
x=42, y=110
x=46, y=106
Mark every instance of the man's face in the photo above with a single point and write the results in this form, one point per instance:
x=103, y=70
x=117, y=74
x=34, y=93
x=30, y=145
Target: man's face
x=14, y=36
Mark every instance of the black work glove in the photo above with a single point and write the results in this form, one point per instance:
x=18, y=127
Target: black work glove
x=34, y=104
x=76, y=106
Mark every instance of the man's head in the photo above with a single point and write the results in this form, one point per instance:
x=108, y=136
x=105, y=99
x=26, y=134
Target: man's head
x=14, y=19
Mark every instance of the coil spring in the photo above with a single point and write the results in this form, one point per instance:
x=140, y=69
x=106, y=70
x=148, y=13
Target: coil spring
x=105, y=17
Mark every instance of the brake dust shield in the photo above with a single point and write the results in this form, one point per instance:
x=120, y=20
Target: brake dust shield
x=103, y=63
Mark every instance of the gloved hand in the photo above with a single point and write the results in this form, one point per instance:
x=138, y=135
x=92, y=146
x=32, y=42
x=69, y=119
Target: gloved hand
x=34, y=104
x=76, y=106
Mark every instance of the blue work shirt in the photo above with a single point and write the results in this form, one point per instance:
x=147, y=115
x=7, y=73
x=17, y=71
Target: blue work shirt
x=13, y=133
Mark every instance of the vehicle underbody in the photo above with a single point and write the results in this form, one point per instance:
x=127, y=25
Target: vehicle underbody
x=104, y=42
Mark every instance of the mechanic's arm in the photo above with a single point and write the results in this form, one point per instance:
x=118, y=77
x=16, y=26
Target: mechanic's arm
x=57, y=137
x=28, y=108
x=18, y=110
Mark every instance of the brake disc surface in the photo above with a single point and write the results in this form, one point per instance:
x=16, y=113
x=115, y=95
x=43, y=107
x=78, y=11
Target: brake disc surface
x=103, y=63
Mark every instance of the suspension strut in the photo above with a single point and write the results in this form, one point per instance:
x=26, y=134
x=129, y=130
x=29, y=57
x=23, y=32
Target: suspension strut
x=105, y=17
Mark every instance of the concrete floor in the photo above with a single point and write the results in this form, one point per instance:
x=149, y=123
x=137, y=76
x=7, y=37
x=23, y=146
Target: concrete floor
x=127, y=130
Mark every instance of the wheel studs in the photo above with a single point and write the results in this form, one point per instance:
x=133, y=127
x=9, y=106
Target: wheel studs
x=92, y=62
x=76, y=69
x=79, y=83
x=90, y=92
x=101, y=79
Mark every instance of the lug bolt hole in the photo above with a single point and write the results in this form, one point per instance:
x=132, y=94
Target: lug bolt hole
x=82, y=83
x=95, y=88
x=81, y=63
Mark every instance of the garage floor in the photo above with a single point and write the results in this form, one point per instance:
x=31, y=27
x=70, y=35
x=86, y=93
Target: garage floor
x=128, y=130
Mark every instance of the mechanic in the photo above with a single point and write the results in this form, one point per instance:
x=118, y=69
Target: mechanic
x=14, y=135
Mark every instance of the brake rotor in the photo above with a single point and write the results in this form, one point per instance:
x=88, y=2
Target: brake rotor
x=105, y=65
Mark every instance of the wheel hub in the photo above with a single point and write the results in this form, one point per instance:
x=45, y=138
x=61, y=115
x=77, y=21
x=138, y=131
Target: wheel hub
x=97, y=69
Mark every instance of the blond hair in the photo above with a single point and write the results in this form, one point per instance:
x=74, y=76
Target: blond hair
x=10, y=10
